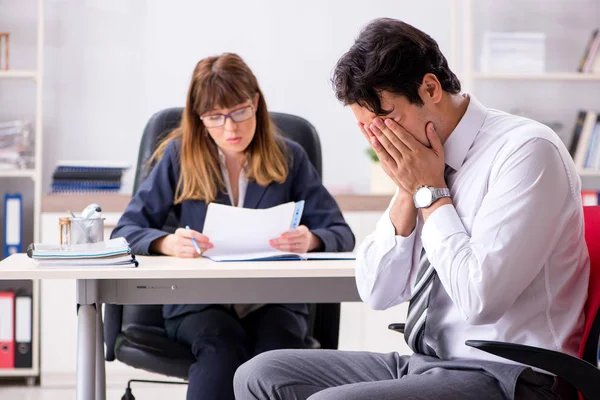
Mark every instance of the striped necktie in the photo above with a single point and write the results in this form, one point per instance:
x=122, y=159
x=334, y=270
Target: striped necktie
x=414, y=330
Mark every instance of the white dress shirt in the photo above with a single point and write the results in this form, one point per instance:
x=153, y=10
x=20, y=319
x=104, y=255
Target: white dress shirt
x=242, y=182
x=240, y=309
x=510, y=254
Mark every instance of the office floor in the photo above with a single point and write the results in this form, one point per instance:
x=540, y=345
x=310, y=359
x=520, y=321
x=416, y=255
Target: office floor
x=141, y=392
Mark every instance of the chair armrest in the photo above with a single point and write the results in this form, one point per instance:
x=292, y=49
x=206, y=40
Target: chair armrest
x=397, y=327
x=113, y=318
x=582, y=375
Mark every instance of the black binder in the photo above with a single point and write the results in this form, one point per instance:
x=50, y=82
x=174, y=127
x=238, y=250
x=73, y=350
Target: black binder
x=23, y=331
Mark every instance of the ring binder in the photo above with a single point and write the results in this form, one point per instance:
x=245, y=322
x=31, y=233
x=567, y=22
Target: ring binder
x=87, y=177
x=13, y=222
x=23, y=331
x=7, y=324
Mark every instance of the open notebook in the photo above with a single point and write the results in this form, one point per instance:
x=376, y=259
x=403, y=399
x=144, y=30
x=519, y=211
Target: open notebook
x=243, y=234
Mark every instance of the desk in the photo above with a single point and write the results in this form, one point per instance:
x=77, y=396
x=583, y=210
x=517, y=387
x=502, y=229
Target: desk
x=167, y=280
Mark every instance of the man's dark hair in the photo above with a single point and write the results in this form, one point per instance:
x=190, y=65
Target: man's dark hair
x=390, y=55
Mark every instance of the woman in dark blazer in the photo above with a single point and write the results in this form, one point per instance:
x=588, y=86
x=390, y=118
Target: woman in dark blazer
x=227, y=151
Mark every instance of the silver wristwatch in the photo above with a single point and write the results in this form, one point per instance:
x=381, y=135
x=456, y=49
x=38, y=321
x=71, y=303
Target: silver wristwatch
x=426, y=196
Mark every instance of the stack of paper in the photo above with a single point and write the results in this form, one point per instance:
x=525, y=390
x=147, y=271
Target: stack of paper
x=114, y=252
x=16, y=144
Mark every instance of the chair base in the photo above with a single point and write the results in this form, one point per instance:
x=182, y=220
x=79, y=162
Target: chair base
x=129, y=395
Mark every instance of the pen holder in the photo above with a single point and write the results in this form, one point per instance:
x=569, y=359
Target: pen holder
x=87, y=230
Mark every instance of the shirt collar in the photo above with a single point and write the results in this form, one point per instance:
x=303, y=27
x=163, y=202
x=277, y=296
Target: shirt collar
x=460, y=140
x=221, y=157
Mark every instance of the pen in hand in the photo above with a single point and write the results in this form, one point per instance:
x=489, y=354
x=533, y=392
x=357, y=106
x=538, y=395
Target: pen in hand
x=194, y=242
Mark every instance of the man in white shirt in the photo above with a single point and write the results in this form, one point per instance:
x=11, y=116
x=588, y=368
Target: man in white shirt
x=484, y=237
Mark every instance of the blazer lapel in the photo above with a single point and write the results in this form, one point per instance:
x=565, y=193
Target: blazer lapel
x=254, y=193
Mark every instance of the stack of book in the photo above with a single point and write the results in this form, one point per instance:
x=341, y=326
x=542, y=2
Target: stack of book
x=16, y=145
x=77, y=177
x=590, y=61
x=114, y=252
x=585, y=142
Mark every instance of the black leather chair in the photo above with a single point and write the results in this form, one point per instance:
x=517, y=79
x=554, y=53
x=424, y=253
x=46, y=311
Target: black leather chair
x=135, y=335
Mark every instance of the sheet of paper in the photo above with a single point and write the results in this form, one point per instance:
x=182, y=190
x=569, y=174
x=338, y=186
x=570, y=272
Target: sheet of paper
x=236, y=232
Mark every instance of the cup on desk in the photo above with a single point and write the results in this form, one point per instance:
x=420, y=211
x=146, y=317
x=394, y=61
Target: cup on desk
x=87, y=230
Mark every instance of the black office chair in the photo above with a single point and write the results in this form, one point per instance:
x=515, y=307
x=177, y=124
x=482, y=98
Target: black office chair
x=135, y=334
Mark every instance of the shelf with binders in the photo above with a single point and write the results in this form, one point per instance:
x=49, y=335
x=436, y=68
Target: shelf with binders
x=21, y=171
x=19, y=327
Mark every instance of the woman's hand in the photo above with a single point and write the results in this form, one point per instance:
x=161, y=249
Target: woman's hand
x=180, y=244
x=299, y=240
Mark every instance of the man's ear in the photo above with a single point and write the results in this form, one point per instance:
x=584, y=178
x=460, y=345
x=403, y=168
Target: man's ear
x=431, y=88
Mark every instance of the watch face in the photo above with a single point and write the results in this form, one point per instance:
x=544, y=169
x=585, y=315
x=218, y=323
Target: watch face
x=423, y=197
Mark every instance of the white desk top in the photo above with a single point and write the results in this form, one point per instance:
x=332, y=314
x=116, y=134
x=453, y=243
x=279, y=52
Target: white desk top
x=19, y=266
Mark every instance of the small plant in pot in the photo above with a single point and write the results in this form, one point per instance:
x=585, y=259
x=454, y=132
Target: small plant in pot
x=381, y=183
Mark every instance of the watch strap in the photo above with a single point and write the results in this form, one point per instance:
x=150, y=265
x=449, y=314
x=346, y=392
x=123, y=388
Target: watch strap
x=438, y=193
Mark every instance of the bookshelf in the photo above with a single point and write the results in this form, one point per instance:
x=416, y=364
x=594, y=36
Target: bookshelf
x=562, y=56
x=33, y=175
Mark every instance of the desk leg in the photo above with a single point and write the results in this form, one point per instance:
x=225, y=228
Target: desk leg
x=86, y=351
x=100, y=371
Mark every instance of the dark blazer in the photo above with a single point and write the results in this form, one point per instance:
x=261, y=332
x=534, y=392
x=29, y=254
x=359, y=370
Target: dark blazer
x=147, y=212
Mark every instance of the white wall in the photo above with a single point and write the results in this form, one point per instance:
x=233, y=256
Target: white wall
x=111, y=64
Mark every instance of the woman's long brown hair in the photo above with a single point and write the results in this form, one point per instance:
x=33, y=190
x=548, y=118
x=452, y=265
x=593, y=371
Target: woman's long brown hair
x=222, y=82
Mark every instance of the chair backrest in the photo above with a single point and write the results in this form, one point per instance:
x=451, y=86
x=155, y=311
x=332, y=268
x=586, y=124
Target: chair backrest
x=588, y=350
x=290, y=126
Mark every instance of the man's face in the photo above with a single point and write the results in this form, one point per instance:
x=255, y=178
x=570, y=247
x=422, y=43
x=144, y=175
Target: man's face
x=411, y=117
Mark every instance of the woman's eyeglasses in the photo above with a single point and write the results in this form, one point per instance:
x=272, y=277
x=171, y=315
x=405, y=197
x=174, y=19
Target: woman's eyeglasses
x=218, y=120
